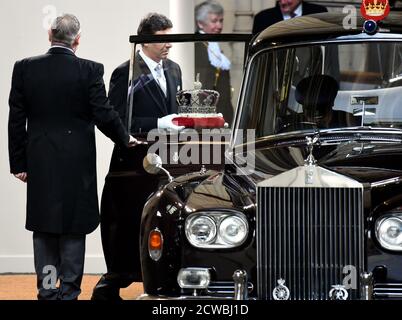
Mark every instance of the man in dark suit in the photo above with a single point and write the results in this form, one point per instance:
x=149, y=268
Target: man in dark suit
x=154, y=106
x=210, y=62
x=59, y=97
x=284, y=9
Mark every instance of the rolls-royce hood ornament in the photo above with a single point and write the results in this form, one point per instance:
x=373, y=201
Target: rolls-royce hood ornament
x=311, y=142
x=310, y=160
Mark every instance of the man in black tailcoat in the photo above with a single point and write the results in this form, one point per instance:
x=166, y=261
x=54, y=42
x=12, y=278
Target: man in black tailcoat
x=55, y=100
x=156, y=80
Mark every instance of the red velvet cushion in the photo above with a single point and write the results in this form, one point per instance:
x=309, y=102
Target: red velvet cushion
x=201, y=122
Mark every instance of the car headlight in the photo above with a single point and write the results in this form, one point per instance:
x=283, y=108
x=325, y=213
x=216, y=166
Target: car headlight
x=233, y=230
x=201, y=230
x=216, y=229
x=389, y=231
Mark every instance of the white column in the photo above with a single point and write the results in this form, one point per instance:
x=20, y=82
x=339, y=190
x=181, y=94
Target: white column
x=244, y=16
x=267, y=4
x=258, y=5
x=181, y=12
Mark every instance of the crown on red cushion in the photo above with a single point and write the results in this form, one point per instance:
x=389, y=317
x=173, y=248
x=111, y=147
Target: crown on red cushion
x=197, y=100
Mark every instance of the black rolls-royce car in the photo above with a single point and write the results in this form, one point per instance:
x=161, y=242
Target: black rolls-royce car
x=309, y=203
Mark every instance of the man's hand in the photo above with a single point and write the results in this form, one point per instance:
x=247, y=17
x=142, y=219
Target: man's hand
x=132, y=141
x=166, y=122
x=22, y=176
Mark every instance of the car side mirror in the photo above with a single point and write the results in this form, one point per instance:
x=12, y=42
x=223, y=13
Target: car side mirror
x=152, y=164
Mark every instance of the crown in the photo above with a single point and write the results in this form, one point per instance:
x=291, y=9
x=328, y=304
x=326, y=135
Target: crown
x=198, y=100
x=375, y=7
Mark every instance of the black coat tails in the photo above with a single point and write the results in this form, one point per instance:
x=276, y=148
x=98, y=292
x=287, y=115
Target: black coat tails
x=55, y=101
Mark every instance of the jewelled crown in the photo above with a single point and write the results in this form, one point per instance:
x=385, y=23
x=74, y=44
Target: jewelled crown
x=197, y=100
x=375, y=7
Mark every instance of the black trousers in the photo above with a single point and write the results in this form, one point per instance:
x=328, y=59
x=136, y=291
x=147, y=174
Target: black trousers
x=123, y=199
x=59, y=259
x=120, y=231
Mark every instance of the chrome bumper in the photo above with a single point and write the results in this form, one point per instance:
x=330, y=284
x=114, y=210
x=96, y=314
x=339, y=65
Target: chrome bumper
x=240, y=291
x=182, y=298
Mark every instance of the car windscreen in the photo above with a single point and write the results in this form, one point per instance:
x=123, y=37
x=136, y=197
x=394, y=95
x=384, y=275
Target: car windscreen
x=323, y=86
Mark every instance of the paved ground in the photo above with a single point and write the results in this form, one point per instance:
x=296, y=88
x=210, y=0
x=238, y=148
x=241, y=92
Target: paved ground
x=23, y=287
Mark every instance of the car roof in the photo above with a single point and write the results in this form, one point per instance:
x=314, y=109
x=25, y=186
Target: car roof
x=319, y=26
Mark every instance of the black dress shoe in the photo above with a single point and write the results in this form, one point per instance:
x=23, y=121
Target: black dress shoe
x=106, y=290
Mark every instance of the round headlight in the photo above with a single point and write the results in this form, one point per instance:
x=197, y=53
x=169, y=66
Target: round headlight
x=201, y=230
x=233, y=230
x=389, y=232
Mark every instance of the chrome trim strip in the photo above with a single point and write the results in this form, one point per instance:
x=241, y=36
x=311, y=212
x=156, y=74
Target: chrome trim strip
x=387, y=290
x=225, y=288
x=155, y=297
x=356, y=38
x=346, y=130
x=322, y=178
x=377, y=294
x=386, y=182
x=382, y=284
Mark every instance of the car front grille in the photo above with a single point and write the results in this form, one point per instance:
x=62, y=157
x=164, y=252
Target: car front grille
x=306, y=236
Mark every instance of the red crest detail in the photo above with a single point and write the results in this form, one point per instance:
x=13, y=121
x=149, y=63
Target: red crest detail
x=375, y=9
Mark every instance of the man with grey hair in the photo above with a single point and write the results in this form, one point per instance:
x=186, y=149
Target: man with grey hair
x=210, y=62
x=55, y=101
x=65, y=31
x=207, y=10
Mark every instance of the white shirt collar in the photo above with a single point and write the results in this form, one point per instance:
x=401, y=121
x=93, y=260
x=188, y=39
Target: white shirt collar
x=151, y=66
x=56, y=46
x=149, y=62
x=298, y=12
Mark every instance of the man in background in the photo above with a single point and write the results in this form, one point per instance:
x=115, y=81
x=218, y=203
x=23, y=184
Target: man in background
x=210, y=62
x=284, y=9
x=156, y=80
x=55, y=100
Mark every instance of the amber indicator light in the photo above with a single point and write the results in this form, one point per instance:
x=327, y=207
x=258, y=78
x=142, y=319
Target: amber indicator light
x=155, y=240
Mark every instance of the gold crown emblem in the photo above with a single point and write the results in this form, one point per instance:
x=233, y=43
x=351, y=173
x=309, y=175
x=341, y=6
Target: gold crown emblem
x=375, y=7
